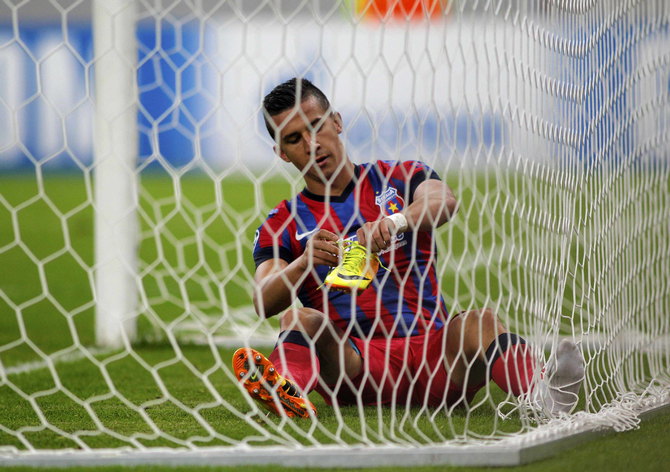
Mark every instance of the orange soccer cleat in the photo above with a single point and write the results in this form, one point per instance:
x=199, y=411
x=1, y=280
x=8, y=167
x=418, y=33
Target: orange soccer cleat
x=259, y=377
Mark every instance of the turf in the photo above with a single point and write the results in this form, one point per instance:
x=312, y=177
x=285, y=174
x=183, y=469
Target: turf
x=196, y=272
x=646, y=449
x=170, y=390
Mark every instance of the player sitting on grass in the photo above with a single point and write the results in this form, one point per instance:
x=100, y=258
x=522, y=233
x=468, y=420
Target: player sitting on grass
x=379, y=334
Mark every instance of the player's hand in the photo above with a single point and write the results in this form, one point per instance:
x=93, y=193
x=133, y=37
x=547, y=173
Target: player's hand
x=321, y=249
x=376, y=235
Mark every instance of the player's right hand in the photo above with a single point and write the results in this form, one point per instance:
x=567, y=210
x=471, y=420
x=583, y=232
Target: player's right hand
x=376, y=235
x=321, y=249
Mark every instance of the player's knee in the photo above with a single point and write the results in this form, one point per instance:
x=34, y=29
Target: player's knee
x=309, y=321
x=479, y=320
x=489, y=321
x=481, y=329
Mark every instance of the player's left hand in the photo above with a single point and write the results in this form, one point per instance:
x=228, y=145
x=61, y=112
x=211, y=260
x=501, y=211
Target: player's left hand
x=376, y=235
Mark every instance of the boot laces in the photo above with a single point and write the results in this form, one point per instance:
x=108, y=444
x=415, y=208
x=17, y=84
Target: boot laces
x=354, y=256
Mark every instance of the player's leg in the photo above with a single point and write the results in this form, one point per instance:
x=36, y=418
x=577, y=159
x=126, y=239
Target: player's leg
x=294, y=367
x=470, y=336
x=310, y=346
x=331, y=355
x=480, y=348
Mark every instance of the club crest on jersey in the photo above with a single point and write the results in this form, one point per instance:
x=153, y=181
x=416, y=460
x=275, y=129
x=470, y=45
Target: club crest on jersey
x=389, y=201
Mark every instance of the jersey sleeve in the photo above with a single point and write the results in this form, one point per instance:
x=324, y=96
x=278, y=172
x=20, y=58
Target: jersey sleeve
x=273, y=237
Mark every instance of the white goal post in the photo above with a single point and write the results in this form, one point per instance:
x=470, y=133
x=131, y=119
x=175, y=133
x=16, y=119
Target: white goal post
x=135, y=170
x=116, y=186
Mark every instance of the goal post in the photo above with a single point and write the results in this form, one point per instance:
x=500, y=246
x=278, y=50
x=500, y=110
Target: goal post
x=116, y=181
x=136, y=171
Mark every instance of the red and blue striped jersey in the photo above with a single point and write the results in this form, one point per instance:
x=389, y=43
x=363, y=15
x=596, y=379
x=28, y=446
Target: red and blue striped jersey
x=404, y=300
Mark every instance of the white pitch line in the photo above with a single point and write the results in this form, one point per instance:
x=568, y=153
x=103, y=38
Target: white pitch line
x=39, y=365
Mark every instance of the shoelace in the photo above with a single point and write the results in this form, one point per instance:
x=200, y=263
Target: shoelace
x=351, y=260
x=354, y=255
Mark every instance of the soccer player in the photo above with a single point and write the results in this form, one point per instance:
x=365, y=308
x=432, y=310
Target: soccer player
x=364, y=333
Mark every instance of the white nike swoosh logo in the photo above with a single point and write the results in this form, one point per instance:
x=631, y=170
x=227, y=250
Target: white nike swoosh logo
x=300, y=236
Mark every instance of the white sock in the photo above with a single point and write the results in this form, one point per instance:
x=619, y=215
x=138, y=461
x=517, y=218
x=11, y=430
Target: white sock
x=558, y=391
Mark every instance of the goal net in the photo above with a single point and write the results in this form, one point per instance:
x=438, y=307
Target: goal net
x=135, y=169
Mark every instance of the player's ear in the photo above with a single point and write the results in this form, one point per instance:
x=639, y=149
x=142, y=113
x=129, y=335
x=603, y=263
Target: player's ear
x=282, y=155
x=339, y=126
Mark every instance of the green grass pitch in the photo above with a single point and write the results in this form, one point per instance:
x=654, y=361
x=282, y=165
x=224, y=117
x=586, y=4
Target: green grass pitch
x=153, y=396
x=167, y=393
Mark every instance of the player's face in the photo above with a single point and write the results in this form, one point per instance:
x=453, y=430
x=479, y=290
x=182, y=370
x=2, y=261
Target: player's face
x=309, y=139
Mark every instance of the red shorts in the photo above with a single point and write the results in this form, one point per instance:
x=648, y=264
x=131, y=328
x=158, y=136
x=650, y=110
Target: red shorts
x=407, y=371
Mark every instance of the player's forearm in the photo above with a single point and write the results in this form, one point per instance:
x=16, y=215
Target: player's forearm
x=276, y=292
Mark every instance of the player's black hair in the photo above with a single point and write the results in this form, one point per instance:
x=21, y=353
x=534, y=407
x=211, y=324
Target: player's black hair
x=285, y=97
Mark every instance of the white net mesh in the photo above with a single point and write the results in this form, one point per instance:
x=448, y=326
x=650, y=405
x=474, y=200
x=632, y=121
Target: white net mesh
x=549, y=120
